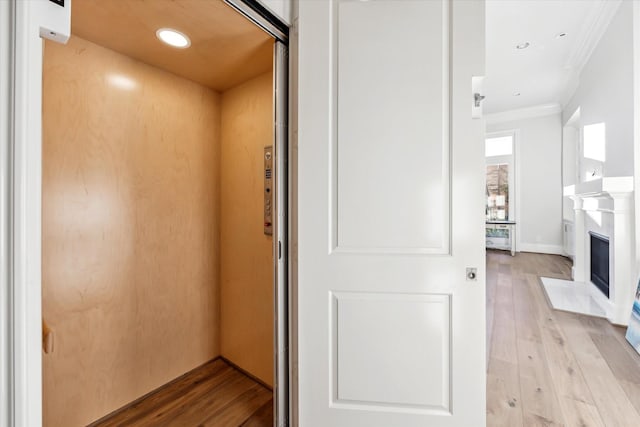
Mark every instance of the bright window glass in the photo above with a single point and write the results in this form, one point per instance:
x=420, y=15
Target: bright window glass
x=595, y=142
x=497, y=193
x=499, y=146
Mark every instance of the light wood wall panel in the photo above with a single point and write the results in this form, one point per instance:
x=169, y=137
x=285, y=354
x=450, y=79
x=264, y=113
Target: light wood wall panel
x=246, y=259
x=130, y=229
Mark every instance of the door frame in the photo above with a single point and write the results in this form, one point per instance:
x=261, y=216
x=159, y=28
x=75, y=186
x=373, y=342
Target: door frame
x=515, y=135
x=21, y=214
x=281, y=410
x=6, y=78
x=21, y=76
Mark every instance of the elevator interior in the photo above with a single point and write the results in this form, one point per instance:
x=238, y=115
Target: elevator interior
x=156, y=255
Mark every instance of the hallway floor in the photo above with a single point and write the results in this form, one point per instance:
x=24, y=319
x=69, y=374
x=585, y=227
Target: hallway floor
x=547, y=367
x=214, y=394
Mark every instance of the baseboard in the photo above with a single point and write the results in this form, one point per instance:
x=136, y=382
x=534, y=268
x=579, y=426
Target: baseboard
x=245, y=372
x=541, y=248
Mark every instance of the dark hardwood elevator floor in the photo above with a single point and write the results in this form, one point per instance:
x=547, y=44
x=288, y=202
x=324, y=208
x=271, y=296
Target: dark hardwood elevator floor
x=215, y=394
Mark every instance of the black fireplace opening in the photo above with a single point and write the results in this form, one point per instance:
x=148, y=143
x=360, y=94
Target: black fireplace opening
x=600, y=262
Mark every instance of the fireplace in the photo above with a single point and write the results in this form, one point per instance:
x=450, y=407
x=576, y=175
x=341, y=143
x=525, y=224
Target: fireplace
x=599, y=254
x=604, y=207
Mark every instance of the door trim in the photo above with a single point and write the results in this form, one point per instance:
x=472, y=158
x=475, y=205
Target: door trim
x=23, y=214
x=6, y=162
x=280, y=246
x=21, y=51
x=262, y=17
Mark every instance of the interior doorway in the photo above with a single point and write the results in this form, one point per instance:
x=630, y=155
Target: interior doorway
x=164, y=216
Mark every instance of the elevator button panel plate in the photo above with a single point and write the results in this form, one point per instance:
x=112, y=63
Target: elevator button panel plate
x=268, y=190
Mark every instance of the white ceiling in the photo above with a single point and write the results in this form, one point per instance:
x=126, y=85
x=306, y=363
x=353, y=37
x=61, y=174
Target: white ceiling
x=544, y=72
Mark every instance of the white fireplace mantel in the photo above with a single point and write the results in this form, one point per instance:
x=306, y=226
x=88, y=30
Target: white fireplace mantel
x=611, y=197
x=606, y=185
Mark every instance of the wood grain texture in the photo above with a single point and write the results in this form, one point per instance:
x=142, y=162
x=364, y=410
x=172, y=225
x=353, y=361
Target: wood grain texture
x=570, y=370
x=579, y=413
x=539, y=397
x=564, y=368
x=504, y=332
x=504, y=404
x=130, y=223
x=214, y=394
x=263, y=417
x=608, y=395
x=619, y=361
x=246, y=262
x=226, y=48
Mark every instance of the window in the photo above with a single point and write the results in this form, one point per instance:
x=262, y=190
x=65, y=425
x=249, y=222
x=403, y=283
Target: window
x=595, y=142
x=498, y=192
x=499, y=153
x=593, y=151
x=499, y=146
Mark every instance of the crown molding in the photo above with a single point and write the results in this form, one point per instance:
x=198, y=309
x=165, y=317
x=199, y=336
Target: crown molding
x=594, y=28
x=523, y=113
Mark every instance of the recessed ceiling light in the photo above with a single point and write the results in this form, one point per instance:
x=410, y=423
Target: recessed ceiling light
x=560, y=35
x=173, y=38
x=516, y=94
x=522, y=45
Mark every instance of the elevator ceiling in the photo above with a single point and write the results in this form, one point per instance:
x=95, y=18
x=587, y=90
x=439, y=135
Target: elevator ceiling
x=226, y=48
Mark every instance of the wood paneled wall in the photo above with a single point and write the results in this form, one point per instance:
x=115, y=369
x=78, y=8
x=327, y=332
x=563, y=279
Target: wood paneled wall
x=246, y=265
x=130, y=229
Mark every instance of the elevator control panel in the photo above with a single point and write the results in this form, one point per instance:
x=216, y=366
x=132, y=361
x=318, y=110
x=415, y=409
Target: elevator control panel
x=54, y=19
x=268, y=190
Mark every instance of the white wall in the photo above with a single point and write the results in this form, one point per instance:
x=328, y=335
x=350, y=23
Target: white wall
x=539, y=181
x=570, y=143
x=605, y=93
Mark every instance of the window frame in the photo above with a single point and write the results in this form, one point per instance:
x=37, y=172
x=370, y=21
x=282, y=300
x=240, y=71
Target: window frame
x=513, y=160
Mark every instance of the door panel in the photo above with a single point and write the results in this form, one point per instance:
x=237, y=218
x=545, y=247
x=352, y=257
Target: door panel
x=400, y=101
x=399, y=343
x=390, y=210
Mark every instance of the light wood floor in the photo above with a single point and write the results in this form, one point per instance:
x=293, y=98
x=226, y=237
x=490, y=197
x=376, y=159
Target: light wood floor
x=215, y=394
x=552, y=368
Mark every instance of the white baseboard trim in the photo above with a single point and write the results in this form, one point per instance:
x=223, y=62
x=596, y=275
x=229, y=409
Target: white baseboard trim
x=541, y=248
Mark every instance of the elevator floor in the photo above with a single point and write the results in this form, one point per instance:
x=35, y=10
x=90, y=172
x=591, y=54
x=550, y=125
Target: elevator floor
x=215, y=394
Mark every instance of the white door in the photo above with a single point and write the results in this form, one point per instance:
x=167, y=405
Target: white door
x=390, y=198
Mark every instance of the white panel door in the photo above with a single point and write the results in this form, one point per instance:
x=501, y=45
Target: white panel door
x=390, y=210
